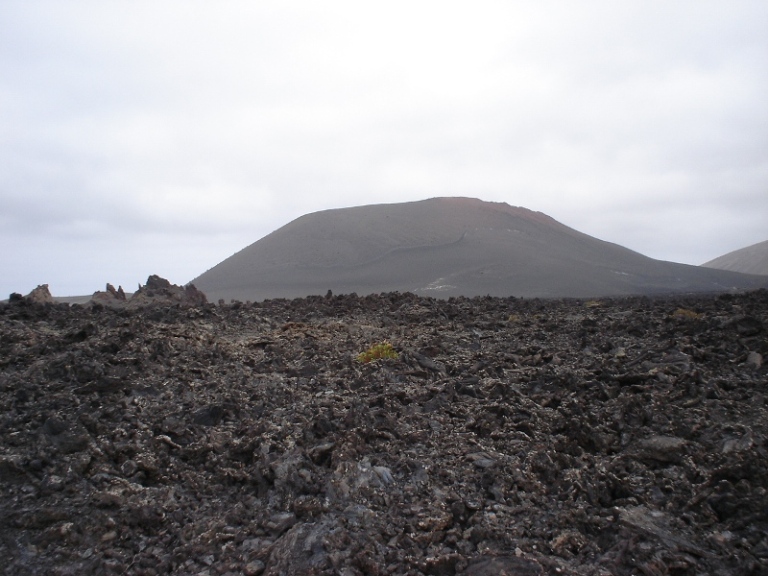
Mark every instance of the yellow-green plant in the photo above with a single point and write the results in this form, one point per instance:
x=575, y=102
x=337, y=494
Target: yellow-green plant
x=377, y=352
x=686, y=314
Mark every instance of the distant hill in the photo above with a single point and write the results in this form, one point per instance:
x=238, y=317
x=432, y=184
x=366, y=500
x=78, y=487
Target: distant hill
x=447, y=247
x=750, y=260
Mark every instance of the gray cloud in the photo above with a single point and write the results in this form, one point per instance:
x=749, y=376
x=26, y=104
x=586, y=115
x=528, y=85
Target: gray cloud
x=160, y=138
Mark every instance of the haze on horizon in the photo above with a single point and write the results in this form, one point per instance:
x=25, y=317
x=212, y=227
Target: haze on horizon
x=160, y=138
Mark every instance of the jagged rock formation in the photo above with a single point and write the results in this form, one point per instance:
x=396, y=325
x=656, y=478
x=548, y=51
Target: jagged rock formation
x=40, y=295
x=157, y=291
x=160, y=290
x=110, y=296
x=527, y=437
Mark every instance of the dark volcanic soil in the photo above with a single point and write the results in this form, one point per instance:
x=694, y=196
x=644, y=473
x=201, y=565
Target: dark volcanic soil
x=510, y=436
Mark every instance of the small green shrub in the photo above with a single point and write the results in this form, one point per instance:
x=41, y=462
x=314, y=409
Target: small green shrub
x=377, y=352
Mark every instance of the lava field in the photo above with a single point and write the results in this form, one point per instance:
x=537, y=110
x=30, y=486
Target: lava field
x=524, y=437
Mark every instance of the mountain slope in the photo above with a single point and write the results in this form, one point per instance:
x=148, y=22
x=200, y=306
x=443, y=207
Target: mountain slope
x=447, y=247
x=750, y=260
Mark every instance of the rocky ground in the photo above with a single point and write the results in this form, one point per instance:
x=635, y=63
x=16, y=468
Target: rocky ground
x=509, y=436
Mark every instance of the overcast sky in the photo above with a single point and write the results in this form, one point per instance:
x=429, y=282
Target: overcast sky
x=161, y=137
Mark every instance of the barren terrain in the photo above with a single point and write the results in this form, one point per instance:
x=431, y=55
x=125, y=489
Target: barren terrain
x=510, y=436
x=748, y=260
x=445, y=247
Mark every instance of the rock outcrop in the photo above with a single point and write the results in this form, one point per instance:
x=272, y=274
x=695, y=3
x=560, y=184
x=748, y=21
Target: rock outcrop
x=110, y=296
x=157, y=291
x=40, y=295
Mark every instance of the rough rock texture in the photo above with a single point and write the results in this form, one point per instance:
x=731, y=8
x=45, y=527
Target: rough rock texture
x=40, y=295
x=110, y=296
x=156, y=291
x=524, y=437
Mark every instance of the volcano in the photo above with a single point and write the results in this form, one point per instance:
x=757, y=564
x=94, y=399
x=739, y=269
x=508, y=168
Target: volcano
x=749, y=260
x=445, y=247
